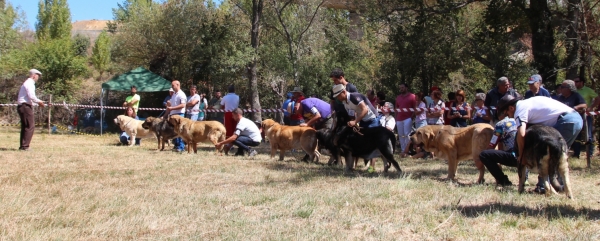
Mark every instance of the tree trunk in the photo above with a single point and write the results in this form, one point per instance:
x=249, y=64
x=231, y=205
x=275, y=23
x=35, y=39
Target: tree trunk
x=257, y=7
x=542, y=40
x=573, y=41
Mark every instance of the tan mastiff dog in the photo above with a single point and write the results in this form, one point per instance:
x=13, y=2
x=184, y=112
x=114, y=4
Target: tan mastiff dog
x=283, y=138
x=133, y=128
x=456, y=144
x=194, y=132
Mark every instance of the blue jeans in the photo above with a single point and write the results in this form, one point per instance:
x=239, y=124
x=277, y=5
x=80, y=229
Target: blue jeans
x=296, y=122
x=420, y=123
x=569, y=125
x=370, y=123
x=192, y=116
x=243, y=143
x=590, y=139
x=178, y=142
x=124, y=138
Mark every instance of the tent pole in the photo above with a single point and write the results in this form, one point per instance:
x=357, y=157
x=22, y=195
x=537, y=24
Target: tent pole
x=101, y=111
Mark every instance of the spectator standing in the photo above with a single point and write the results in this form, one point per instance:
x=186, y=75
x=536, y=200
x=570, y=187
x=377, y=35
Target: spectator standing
x=592, y=101
x=480, y=112
x=178, y=101
x=381, y=98
x=429, y=99
x=571, y=98
x=317, y=112
x=420, y=113
x=26, y=100
x=373, y=99
x=192, y=109
x=202, y=107
x=535, y=87
x=124, y=138
x=133, y=100
x=246, y=135
x=168, y=98
x=230, y=102
x=451, y=98
x=459, y=113
x=435, y=114
x=404, y=118
x=285, y=105
x=294, y=108
x=495, y=94
x=215, y=104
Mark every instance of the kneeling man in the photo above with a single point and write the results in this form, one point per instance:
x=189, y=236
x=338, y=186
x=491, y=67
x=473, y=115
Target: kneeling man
x=504, y=134
x=246, y=135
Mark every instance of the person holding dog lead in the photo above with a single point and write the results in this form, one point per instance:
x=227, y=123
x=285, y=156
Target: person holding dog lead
x=246, y=134
x=505, y=132
x=364, y=113
x=178, y=102
x=317, y=112
x=541, y=110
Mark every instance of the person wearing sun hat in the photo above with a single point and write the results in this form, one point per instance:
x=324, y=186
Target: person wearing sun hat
x=535, y=87
x=26, y=99
x=296, y=117
x=364, y=112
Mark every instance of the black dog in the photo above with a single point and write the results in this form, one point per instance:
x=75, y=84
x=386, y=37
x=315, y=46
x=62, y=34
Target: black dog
x=546, y=151
x=367, y=143
x=162, y=128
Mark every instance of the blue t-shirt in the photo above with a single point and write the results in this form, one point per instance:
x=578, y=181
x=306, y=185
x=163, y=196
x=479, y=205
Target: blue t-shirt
x=505, y=131
x=573, y=100
x=542, y=92
x=285, y=106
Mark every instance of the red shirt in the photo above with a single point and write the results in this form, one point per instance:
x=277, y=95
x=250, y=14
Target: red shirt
x=296, y=115
x=446, y=119
x=406, y=101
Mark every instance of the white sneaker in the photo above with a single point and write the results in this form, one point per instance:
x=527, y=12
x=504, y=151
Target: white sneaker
x=252, y=153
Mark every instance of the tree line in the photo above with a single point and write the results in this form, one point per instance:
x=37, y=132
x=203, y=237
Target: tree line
x=266, y=47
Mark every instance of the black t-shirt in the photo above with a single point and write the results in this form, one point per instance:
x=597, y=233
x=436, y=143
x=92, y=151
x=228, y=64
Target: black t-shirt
x=349, y=87
x=573, y=100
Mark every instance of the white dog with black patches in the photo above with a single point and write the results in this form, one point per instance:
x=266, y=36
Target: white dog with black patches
x=133, y=128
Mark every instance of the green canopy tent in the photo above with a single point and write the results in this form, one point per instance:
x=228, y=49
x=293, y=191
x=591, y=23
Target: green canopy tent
x=143, y=79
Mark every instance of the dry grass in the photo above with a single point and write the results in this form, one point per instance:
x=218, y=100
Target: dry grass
x=88, y=188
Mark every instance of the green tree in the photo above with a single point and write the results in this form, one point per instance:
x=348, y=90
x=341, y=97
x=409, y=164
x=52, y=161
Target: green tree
x=81, y=43
x=101, y=53
x=53, y=20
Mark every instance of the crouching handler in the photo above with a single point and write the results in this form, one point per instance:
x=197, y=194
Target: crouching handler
x=246, y=134
x=504, y=135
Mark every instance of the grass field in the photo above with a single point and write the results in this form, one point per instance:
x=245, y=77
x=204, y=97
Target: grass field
x=72, y=187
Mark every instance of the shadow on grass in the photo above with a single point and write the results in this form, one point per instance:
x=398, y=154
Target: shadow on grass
x=551, y=212
x=441, y=174
x=312, y=171
x=8, y=149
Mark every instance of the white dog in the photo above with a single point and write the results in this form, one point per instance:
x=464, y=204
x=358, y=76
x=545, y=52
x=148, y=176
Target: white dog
x=133, y=128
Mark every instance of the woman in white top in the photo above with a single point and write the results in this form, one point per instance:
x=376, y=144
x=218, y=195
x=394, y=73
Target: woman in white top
x=388, y=121
x=420, y=114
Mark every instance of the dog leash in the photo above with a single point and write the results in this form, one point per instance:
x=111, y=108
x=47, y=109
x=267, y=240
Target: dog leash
x=356, y=129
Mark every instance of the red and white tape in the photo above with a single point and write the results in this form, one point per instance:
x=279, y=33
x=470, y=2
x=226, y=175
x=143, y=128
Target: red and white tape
x=274, y=110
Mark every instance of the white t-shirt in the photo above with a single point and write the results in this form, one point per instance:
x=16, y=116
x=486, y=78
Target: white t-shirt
x=195, y=108
x=388, y=122
x=540, y=110
x=231, y=101
x=177, y=99
x=423, y=115
x=246, y=127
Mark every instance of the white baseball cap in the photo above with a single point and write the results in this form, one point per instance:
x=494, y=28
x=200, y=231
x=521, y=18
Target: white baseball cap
x=35, y=71
x=171, y=90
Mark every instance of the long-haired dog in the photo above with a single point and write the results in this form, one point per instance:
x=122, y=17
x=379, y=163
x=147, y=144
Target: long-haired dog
x=545, y=150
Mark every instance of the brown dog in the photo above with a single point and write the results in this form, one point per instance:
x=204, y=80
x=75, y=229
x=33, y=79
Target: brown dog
x=455, y=144
x=163, y=130
x=194, y=132
x=285, y=138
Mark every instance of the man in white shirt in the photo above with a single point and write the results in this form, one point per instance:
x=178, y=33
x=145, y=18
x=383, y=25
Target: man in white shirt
x=178, y=101
x=26, y=100
x=193, y=104
x=230, y=102
x=246, y=134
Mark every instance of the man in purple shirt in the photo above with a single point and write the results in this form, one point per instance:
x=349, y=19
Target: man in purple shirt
x=317, y=112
